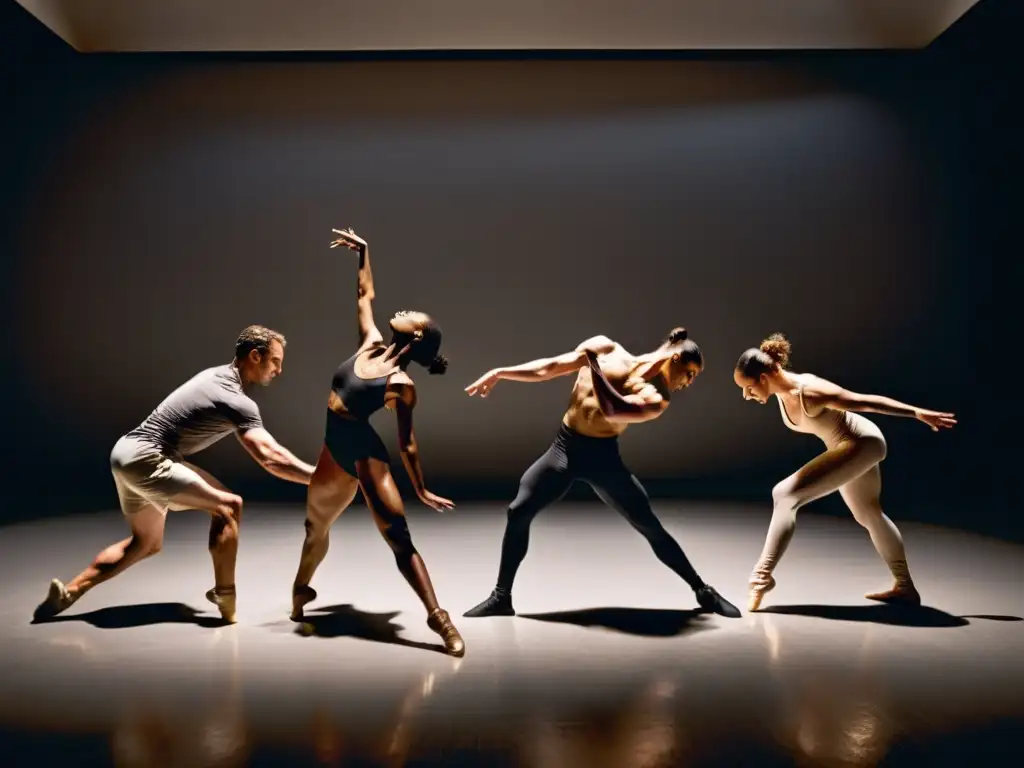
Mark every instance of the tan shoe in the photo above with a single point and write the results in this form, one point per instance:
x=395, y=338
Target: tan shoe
x=58, y=599
x=440, y=622
x=302, y=595
x=902, y=594
x=761, y=583
x=225, y=599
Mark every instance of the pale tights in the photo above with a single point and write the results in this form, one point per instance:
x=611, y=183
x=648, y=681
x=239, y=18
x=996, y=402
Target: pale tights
x=851, y=468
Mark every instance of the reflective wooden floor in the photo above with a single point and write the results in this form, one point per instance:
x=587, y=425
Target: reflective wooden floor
x=608, y=664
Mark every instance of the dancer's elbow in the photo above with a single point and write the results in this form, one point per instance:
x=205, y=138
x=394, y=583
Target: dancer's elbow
x=599, y=345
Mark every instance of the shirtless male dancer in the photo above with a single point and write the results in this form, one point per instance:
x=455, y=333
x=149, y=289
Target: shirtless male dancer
x=152, y=476
x=613, y=390
x=855, y=447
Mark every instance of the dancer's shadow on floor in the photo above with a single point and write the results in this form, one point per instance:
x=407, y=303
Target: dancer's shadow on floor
x=348, y=621
x=895, y=615
x=646, y=622
x=142, y=615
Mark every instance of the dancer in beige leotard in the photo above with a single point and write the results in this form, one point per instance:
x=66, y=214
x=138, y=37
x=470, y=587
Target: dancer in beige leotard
x=855, y=448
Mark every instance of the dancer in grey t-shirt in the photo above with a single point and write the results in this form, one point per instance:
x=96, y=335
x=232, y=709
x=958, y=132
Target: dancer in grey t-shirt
x=152, y=476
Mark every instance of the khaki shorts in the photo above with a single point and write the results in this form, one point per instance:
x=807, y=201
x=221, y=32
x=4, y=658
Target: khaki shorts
x=145, y=476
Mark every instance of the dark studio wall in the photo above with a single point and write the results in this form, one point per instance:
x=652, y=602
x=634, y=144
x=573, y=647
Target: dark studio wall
x=974, y=83
x=156, y=205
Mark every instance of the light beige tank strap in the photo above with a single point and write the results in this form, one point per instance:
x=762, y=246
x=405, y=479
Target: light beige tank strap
x=803, y=408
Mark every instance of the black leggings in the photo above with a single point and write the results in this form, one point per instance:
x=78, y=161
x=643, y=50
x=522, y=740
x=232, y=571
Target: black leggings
x=597, y=462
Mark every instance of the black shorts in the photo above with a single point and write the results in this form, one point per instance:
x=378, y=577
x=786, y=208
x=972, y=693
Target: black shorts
x=350, y=440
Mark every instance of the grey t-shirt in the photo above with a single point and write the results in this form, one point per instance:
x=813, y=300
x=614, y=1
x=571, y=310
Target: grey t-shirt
x=206, y=408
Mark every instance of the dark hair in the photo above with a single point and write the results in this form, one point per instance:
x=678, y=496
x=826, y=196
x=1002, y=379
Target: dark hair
x=256, y=337
x=438, y=365
x=689, y=352
x=676, y=336
x=773, y=353
x=425, y=350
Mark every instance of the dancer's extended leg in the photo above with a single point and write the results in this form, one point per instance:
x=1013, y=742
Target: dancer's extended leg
x=863, y=497
x=146, y=520
x=544, y=483
x=819, y=477
x=620, y=490
x=385, y=503
x=147, y=526
x=331, y=491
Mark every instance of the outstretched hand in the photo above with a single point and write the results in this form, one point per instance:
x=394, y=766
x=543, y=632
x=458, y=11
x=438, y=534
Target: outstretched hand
x=348, y=239
x=436, y=502
x=936, y=419
x=483, y=385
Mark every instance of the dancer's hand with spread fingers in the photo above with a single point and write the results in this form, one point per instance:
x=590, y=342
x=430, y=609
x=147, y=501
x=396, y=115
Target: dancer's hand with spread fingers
x=435, y=502
x=348, y=239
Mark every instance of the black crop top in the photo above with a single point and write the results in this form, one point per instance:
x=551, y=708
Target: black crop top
x=362, y=397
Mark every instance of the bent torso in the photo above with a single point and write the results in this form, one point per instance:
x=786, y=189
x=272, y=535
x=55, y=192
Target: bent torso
x=584, y=414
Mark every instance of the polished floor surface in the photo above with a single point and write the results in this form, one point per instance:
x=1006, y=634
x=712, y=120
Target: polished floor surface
x=608, y=663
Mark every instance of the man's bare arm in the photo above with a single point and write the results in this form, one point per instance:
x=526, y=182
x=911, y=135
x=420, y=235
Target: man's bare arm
x=275, y=458
x=645, y=404
x=542, y=369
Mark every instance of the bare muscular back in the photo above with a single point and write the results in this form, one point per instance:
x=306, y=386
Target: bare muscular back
x=584, y=414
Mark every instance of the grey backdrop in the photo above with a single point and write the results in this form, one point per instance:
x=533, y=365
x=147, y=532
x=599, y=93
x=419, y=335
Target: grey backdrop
x=527, y=205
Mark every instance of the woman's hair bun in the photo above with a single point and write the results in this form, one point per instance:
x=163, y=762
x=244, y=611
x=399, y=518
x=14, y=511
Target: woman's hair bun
x=778, y=348
x=438, y=365
x=677, y=336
